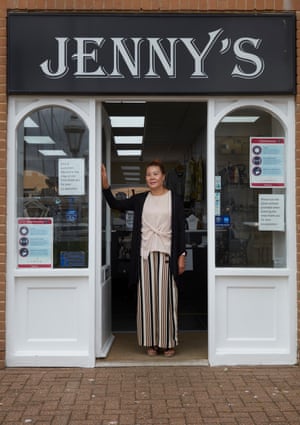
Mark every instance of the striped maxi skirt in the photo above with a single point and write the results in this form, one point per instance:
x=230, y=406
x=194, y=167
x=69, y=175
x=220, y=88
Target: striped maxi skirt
x=157, y=303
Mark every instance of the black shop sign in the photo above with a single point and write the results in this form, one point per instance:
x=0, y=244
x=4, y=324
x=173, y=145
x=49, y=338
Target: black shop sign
x=151, y=54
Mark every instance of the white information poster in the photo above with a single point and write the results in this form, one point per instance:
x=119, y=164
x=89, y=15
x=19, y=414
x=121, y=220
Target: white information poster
x=71, y=176
x=271, y=212
x=266, y=162
x=217, y=203
x=35, y=242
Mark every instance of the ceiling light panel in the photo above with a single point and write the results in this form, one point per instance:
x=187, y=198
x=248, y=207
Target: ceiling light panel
x=131, y=173
x=39, y=140
x=52, y=152
x=239, y=119
x=129, y=152
x=132, y=179
x=128, y=140
x=130, y=167
x=128, y=102
x=127, y=121
x=29, y=123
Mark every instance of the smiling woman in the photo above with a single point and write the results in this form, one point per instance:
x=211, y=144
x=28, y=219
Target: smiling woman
x=157, y=257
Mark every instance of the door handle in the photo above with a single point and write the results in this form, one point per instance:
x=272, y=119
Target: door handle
x=106, y=273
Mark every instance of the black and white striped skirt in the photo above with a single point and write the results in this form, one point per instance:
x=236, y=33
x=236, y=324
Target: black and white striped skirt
x=157, y=303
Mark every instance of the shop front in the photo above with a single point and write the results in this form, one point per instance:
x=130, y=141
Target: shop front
x=216, y=91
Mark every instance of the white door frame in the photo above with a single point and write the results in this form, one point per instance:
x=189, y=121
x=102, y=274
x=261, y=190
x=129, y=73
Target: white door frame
x=103, y=335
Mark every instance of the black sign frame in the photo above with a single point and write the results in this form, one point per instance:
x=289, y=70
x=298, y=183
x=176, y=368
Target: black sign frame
x=151, y=54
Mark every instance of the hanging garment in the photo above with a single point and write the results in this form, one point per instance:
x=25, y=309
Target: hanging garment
x=198, y=176
x=189, y=171
x=175, y=180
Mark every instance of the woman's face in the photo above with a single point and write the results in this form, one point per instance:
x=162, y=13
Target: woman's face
x=154, y=177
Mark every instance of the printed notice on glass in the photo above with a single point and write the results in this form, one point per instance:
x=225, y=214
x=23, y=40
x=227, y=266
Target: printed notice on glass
x=35, y=242
x=71, y=176
x=217, y=203
x=266, y=168
x=271, y=212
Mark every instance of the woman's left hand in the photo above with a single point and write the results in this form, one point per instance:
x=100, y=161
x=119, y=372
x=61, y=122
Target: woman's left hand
x=181, y=264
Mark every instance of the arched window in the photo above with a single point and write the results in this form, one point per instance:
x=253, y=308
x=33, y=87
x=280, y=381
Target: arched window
x=249, y=190
x=52, y=182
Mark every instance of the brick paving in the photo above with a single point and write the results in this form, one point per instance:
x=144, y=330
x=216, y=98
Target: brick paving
x=150, y=396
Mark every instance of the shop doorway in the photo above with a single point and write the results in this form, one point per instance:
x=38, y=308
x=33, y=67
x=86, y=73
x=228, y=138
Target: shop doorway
x=175, y=133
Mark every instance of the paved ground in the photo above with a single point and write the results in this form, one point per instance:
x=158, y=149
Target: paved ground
x=151, y=396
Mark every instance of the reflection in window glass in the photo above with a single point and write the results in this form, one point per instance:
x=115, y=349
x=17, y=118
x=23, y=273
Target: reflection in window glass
x=53, y=145
x=239, y=242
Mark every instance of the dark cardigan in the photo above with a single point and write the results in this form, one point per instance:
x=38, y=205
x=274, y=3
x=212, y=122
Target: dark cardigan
x=135, y=203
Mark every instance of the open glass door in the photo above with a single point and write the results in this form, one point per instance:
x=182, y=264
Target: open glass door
x=104, y=337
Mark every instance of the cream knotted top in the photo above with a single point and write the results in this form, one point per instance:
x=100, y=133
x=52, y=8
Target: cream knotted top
x=156, y=224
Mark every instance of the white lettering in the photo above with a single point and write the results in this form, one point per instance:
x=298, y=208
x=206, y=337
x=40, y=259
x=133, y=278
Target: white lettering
x=161, y=54
x=240, y=53
x=198, y=56
x=157, y=50
x=132, y=62
x=62, y=67
x=83, y=56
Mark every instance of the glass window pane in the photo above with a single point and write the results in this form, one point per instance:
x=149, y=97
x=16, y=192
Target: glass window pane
x=53, y=146
x=239, y=241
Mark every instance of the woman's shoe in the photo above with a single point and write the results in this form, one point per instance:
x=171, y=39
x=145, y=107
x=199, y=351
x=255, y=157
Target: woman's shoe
x=152, y=351
x=169, y=353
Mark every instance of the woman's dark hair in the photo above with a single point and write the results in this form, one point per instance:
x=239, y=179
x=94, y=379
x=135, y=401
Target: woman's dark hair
x=156, y=163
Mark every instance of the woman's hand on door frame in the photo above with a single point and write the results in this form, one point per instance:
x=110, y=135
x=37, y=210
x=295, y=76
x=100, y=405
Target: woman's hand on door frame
x=105, y=184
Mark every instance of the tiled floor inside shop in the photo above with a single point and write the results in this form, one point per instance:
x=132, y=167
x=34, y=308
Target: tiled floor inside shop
x=192, y=350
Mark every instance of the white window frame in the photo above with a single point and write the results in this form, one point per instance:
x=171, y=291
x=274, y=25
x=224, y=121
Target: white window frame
x=223, y=349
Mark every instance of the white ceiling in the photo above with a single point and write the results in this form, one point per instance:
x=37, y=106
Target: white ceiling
x=170, y=130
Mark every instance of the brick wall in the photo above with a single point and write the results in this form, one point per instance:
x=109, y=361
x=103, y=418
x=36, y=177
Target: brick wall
x=128, y=6
x=3, y=115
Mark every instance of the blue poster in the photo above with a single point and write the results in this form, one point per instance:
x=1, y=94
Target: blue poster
x=35, y=242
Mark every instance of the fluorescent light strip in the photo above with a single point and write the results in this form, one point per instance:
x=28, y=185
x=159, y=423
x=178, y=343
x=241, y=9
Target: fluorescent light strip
x=52, y=152
x=128, y=140
x=129, y=152
x=132, y=179
x=39, y=140
x=127, y=121
x=239, y=119
x=29, y=123
x=131, y=173
x=130, y=167
x=128, y=102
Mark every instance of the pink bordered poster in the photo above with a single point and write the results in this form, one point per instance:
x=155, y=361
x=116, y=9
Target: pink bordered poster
x=266, y=162
x=35, y=242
